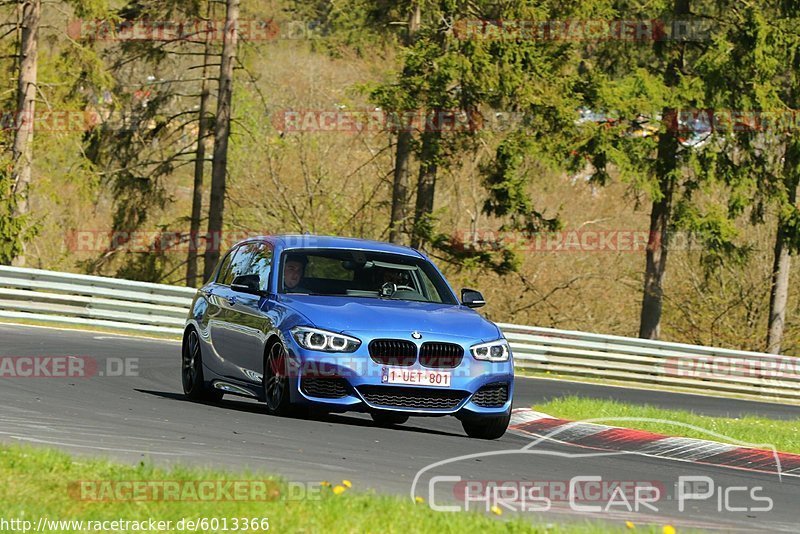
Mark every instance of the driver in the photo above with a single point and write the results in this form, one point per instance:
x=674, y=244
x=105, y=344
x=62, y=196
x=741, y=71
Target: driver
x=294, y=269
x=395, y=277
x=392, y=276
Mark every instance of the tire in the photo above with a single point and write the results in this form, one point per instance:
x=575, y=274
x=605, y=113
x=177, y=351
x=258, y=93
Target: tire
x=194, y=385
x=487, y=427
x=275, y=385
x=389, y=418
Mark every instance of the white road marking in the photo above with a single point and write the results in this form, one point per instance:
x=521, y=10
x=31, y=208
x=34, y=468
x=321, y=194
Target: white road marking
x=76, y=445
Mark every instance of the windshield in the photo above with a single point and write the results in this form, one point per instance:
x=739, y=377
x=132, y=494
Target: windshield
x=357, y=273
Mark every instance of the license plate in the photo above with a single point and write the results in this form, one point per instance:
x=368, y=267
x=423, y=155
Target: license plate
x=416, y=377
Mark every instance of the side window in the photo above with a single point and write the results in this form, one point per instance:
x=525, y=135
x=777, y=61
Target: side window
x=240, y=263
x=223, y=269
x=262, y=265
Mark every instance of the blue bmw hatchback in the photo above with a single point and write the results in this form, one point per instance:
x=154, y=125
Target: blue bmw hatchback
x=346, y=325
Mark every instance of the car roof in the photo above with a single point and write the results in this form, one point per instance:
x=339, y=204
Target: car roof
x=296, y=241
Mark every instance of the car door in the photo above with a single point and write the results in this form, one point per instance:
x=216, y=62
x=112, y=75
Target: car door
x=248, y=316
x=223, y=325
x=212, y=322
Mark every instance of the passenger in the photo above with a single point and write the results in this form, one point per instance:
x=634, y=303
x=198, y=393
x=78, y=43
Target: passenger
x=294, y=269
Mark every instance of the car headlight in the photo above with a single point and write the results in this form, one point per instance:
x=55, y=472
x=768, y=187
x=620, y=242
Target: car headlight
x=494, y=351
x=322, y=340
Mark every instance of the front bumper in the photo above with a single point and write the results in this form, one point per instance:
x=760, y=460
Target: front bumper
x=355, y=382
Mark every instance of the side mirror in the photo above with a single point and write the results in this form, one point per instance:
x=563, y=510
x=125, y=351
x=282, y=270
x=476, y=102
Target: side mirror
x=247, y=283
x=471, y=298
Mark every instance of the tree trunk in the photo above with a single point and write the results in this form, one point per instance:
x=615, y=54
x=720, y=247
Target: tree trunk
x=782, y=263
x=199, y=167
x=658, y=244
x=22, y=150
x=426, y=186
x=779, y=294
x=400, y=187
x=401, y=171
x=666, y=170
x=222, y=127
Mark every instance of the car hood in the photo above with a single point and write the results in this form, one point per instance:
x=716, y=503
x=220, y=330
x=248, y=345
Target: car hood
x=346, y=314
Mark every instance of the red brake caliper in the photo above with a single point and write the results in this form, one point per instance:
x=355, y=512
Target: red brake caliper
x=277, y=365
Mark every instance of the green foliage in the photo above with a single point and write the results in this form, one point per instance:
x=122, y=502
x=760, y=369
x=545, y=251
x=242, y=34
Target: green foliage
x=359, y=27
x=753, y=67
x=715, y=230
x=445, y=70
x=14, y=230
x=790, y=224
x=131, y=151
x=139, y=89
x=632, y=87
x=467, y=256
x=507, y=188
x=145, y=267
x=89, y=9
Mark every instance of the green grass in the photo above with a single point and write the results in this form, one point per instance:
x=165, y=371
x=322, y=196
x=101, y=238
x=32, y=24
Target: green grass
x=37, y=482
x=549, y=375
x=783, y=435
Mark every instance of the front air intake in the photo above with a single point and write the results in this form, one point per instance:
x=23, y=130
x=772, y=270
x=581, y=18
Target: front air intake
x=491, y=396
x=324, y=387
x=397, y=352
x=412, y=398
x=440, y=355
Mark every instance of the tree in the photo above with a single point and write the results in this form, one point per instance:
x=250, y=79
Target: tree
x=400, y=183
x=786, y=243
x=636, y=86
x=452, y=69
x=26, y=108
x=787, y=238
x=433, y=64
x=40, y=84
x=150, y=129
x=222, y=125
x=667, y=174
x=755, y=70
x=199, y=163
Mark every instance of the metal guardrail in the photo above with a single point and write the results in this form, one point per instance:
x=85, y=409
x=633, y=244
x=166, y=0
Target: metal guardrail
x=52, y=297
x=643, y=362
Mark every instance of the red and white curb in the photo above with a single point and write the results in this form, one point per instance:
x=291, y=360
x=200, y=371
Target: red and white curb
x=609, y=438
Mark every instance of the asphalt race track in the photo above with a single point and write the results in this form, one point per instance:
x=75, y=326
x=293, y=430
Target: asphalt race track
x=144, y=416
